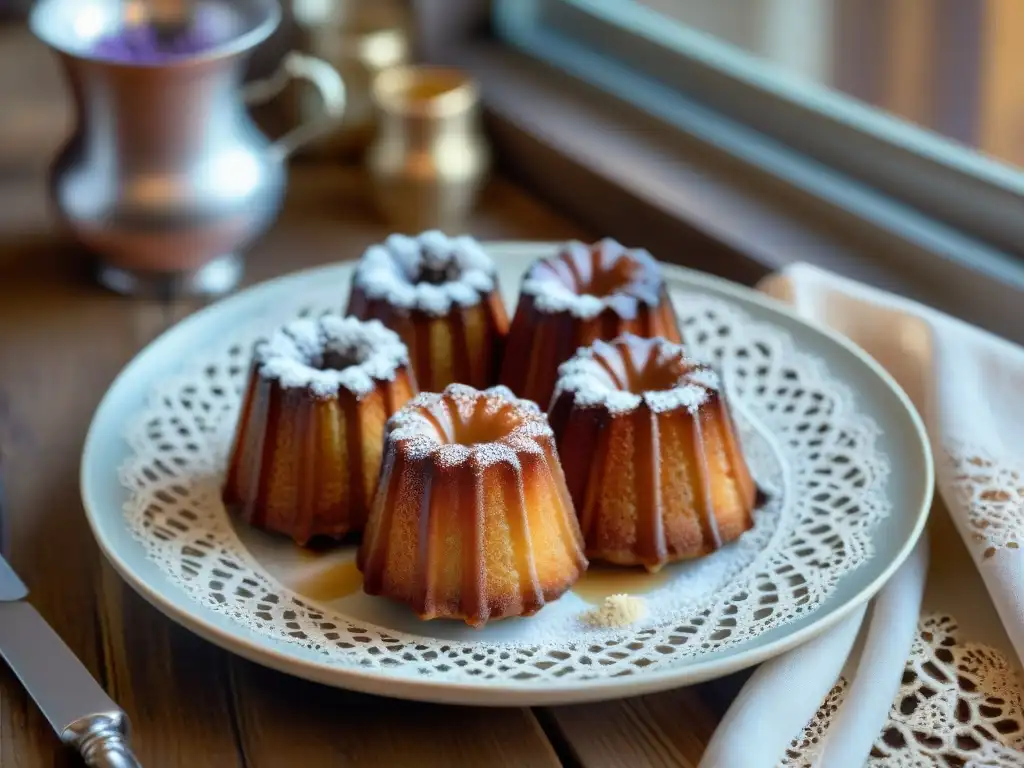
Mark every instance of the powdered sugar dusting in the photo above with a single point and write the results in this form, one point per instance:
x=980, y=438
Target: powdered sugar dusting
x=666, y=352
x=688, y=396
x=551, y=296
x=418, y=446
x=420, y=426
x=527, y=437
x=497, y=453
x=452, y=454
x=705, y=377
x=555, y=290
x=393, y=271
x=590, y=391
x=587, y=376
x=296, y=355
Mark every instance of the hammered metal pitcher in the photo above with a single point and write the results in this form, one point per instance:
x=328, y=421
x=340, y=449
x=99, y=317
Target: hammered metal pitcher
x=166, y=177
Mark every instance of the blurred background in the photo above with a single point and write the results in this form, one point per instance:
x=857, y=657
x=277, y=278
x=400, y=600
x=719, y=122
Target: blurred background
x=359, y=38
x=951, y=69
x=952, y=66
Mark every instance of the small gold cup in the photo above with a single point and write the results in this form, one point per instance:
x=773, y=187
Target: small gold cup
x=429, y=159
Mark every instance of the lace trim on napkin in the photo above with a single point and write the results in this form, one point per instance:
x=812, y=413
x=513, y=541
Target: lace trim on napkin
x=960, y=704
x=991, y=490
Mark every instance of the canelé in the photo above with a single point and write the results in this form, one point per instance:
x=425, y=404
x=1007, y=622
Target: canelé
x=472, y=519
x=584, y=293
x=650, y=452
x=309, y=439
x=441, y=296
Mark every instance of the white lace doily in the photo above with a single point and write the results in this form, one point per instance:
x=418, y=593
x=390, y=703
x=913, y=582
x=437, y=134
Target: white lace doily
x=960, y=704
x=809, y=446
x=992, y=492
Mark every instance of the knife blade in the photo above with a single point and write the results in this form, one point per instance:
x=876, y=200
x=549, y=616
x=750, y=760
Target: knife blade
x=11, y=588
x=4, y=536
x=79, y=710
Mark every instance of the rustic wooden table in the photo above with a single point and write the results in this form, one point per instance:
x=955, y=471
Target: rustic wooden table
x=62, y=341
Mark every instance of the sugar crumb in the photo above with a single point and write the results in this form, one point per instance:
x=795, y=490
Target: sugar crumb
x=617, y=611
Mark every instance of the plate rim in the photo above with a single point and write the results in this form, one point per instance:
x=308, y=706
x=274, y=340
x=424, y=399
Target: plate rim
x=436, y=689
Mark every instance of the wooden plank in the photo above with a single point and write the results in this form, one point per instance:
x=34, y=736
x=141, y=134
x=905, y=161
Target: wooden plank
x=664, y=730
x=334, y=728
x=53, y=368
x=61, y=343
x=39, y=113
x=172, y=684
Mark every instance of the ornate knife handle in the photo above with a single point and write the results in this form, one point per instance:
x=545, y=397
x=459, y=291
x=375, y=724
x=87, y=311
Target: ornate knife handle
x=102, y=740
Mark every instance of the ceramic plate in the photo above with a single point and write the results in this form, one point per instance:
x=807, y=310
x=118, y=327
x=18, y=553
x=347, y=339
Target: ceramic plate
x=834, y=441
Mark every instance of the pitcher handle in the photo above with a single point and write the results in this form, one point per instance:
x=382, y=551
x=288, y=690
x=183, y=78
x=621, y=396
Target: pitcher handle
x=327, y=81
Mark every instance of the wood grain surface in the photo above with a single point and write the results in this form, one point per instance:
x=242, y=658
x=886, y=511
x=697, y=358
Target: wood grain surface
x=62, y=341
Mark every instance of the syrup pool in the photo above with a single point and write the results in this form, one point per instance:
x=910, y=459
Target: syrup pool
x=331, y=583
x=601, y=581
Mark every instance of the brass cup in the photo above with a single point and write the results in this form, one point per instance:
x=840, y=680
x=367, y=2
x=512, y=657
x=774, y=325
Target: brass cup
x=430, y=158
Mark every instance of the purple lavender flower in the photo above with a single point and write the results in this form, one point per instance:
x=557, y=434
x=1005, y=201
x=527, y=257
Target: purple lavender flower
x=139, y=44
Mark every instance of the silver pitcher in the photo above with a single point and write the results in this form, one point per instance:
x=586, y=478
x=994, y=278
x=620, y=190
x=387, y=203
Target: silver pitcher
x=166, y=177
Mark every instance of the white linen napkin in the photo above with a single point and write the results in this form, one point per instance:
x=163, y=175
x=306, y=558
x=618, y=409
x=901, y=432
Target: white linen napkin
x=969, y=387
x=779, y=699
x=879, y=668
x=783, y=694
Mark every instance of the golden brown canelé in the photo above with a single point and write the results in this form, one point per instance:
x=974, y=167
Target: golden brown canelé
x=650, y=453
x=441, y=296
x=472, y=519
x=584, y=293
x=308, y=444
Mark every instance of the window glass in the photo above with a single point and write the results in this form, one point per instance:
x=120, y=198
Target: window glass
x=955, y=67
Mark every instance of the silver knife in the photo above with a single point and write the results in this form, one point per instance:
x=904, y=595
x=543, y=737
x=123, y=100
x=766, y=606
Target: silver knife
x=79, y=710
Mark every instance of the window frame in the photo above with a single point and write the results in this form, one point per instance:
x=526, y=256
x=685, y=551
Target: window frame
x=669, y=69
x=695, y=186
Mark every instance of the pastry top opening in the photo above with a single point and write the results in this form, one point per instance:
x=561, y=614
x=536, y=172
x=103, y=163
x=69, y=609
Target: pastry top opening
x=485, y=425
x=622, y=374
x=430, y=272
x=330, y=353
x=463, y=423
x=336, y=360
x=586, y=280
